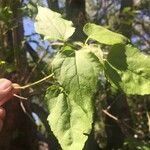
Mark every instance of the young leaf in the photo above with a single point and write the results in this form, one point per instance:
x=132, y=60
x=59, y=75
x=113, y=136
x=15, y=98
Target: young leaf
x=103, y=35
x=71, y=108
x=129, y=69
x=52, y=26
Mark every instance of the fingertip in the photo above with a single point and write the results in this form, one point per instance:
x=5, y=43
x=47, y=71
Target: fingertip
x=5, y=84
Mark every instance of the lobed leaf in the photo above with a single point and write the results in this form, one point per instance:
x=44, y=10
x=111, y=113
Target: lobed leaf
x=52, y=26
x=71, y=107
x=103, y=35
x=127, y=68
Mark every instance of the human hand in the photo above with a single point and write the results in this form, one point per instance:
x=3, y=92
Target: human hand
x=7, y=91
x=2, y=116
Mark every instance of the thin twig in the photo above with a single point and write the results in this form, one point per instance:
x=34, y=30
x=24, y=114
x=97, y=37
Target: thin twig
x=33, y=69
x=110, y=115
x=148, y=118
x=20, y=97
x=24, y=110
x=119, y=122
x=57, y=43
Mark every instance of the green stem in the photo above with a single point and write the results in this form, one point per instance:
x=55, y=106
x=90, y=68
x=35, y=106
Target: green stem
x=57, y=43
x=86, y=40
x=35, y=83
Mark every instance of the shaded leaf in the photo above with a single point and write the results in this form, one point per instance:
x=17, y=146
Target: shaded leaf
x=128, y=69
x=52, y=26
x=71, y=108
x=103, y=35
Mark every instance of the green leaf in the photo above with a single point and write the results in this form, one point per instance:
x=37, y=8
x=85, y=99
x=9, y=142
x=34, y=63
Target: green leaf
x=127, y=68
x=103, y=35
x=71, y=106
x=52, y=25
x=96, y=50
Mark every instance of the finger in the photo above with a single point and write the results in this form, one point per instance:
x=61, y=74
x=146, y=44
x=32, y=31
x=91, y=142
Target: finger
x=1, y=124
x=5, y=84
x=7, y=95
x=5, y=88
x=6, y=98
x=2, y=113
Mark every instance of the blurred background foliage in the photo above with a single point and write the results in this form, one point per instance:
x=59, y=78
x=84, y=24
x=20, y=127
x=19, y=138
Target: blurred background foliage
x=25, y=57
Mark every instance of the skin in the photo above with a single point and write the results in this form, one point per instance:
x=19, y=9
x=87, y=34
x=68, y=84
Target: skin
x=7, y=91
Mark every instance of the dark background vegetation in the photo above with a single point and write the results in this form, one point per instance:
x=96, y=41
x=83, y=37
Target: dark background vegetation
x=25, y=58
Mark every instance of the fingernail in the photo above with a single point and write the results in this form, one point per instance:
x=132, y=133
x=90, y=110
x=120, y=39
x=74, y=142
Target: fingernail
x=4, y=84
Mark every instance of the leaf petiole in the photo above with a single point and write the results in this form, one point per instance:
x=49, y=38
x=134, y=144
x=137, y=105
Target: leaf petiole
x=35, y=83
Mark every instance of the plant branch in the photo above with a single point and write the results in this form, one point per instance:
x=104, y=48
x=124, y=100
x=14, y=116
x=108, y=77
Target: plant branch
x=120, y=122
x=20, y=97
x=148, y=120
x=57, y=43
x=110, y=115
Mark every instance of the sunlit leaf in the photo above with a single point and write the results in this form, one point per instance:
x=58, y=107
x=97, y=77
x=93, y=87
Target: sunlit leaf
x=71, y=106
x=52, y=26
x=103, y=35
